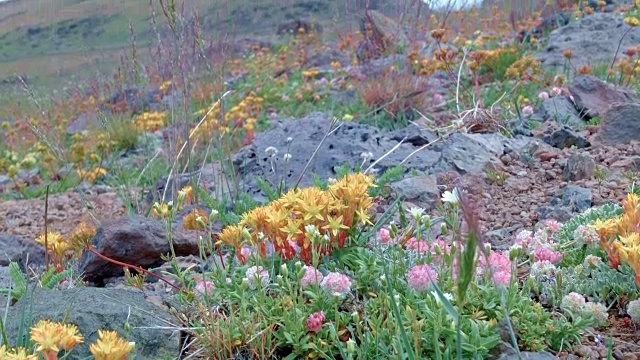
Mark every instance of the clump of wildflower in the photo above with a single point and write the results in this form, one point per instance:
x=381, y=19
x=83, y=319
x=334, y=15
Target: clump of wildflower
x=552, y=226
x=81, y=237
x=204, y=288
x=315, y=322
x=419, y=246
x=527, y=111
x=585, y=235
x=52, y=337
x=312, y=276
x=547, y=254
x=56, y=245
x=592, y=261
x=542, y=269
x=110, y=346
x=598, y=311
x=383, y=237
x=498, y=265
x=195, y=220
x=573, y=303
x=633, y=310
x=257, y=273
x=420, y=277
x=524, y=238
x=334, y=211
x=502, y=278
x=336, y=283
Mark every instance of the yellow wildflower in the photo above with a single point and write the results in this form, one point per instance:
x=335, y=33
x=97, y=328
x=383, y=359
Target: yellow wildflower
x=110, y=346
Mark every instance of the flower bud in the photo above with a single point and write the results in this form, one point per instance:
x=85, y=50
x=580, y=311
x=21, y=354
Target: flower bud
x=514, y=252
x=356, y=317
x=443, y=229
x=351, y=346
x=298, y=266
x=245, y=283
x=212, y=216
x=280, y=280
x=393, y=230
x=426, y=221
x=284, y=270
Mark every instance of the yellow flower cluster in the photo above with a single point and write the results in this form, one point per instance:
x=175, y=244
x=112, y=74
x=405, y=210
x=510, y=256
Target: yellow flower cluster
x=620, y=237
x=61, y=248
x=51, y=337
x=151, y=121
x=91, y=176
x=242, y=115
x=287, y=221
x=522, y=66
x=110, y=346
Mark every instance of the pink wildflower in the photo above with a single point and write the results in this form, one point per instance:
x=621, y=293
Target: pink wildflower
x=383, y=237
x=524, y=238
x=315, y=321
x=419, y=246
x=502, y=278
x=545, y=253
x=555, y=91
x=543, y=96
x=311, y=276
x=204, y=288
x=336, y=283
x=498, y=262
x=527, y=110
x=552, y=225
x=421, y=276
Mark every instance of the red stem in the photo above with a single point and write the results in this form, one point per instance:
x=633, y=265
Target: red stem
x=137, y=268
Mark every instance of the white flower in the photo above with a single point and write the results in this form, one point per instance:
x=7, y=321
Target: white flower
x=332, y=180
x=289, y=139
x=287, y=157
x=271, y=151
x=416, y=212
x=447, y=296
x=450, y=197
x=366, y=155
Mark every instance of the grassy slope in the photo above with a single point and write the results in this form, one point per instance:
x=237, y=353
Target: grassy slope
x=47, y=39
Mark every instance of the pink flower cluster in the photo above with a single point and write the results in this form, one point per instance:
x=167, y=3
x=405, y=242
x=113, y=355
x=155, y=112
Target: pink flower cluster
x=315, y=322
x=336, y=283
x=312, y=276
x=383, y=237
x=500, y=266
x=204, y=288
x=255, y=274
x=552, y=226
x=423, y=246
x=420, y=277
x=585, y=235
x=547, y=254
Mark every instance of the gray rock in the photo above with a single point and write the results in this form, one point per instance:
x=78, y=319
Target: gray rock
x=134, y=240
x=93, y=309
x=620, y=125
x=470, y=153
x=22, y=251
x=593, y=96
x=344, y=146
x=526, y=355
x=579, y=167
x=500, y=239
x=420, y=190
x=577, y=198
x=560, y=109
x=590, y=39
x=564, y=137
